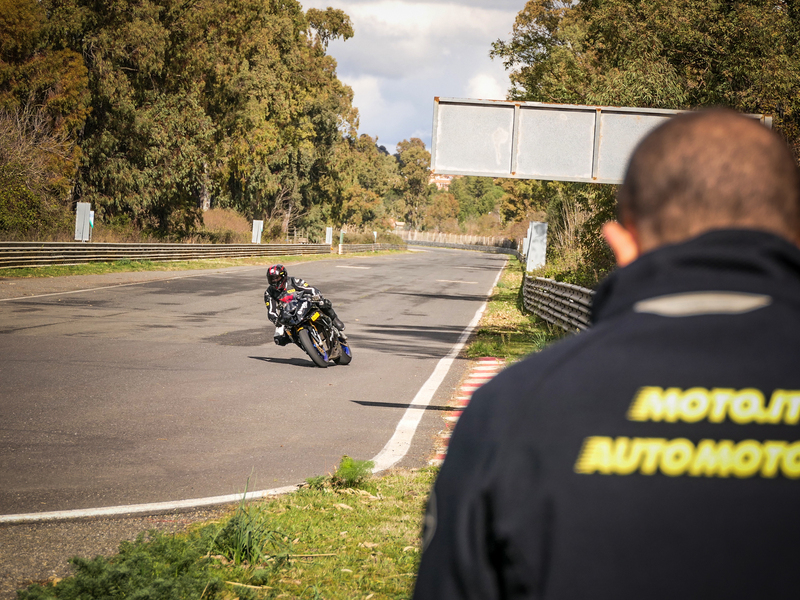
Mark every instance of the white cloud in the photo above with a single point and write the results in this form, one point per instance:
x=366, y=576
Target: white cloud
x=404, y=53
x=486, y=87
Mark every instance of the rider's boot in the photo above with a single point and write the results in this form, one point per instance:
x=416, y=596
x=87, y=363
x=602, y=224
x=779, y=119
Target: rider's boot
x=328, y=310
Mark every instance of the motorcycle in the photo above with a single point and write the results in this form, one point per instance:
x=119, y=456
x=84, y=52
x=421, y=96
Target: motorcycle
x=313, y=330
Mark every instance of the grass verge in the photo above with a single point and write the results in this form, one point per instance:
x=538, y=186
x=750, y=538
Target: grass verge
x=127, y=266
x=319, y=542
x=506, y=329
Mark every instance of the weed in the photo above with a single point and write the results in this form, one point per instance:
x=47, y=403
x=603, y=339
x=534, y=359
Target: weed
x=317, y=483
x=351, y=473
x=246, y=537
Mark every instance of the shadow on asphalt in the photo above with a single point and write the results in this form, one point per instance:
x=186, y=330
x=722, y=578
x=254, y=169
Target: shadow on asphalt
x=409, y=341
x=425, y=297
x=296, y=362
x=399, y=405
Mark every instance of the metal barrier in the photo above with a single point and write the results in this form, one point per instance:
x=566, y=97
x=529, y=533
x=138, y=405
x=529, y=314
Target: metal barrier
x=351, y=248
x=35, y=254
x=479, y=248
x=563, y=304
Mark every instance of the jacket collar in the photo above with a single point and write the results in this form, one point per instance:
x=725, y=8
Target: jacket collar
x=727, y=260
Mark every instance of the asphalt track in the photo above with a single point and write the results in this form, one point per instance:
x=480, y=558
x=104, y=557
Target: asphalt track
x=171, y=388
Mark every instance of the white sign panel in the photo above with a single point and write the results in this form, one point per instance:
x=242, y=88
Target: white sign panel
x=537, y=246
x=82, y=222
x=258, y=228
x=532, y=140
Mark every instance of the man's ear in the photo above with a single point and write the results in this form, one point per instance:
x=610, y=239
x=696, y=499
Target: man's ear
x=624, y=242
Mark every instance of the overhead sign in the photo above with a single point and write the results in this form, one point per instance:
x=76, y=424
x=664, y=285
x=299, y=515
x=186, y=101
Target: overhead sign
x=532, y=140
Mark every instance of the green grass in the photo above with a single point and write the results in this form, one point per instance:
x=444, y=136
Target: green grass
x=332, y=543
x=506, y=329
x=127, y=266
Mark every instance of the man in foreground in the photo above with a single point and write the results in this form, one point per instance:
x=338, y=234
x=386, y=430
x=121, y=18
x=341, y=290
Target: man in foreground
x=658, y=454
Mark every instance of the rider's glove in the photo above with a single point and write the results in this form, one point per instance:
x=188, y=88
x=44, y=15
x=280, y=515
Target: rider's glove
x=280, y=336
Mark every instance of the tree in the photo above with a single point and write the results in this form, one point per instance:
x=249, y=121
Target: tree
x=329, y=24
x=442, y=212
x=415, y=163
x=476, y=196
x=231, y=102
x=43, y=105
x=677, y=54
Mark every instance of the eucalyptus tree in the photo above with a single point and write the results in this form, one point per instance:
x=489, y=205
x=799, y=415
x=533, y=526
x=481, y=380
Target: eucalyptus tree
x=677, y=54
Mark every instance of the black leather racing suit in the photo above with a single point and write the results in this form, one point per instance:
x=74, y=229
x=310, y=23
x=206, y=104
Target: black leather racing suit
x=295, y=285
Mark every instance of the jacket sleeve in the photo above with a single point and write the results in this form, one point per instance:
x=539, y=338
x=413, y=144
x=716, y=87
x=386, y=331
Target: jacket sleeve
x=301, y=286
x=272, y=308
x=459, y=556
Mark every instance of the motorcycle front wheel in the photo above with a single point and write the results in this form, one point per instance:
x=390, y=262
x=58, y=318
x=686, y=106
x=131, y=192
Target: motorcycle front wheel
x=315, y=353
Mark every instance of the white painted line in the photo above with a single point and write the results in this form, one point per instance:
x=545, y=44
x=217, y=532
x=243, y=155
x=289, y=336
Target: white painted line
x=350, y=267
x=398, y=445
x=453, y=281
x=141, y=508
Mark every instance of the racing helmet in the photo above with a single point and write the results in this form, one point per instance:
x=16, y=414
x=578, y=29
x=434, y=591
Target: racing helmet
x=277, y=276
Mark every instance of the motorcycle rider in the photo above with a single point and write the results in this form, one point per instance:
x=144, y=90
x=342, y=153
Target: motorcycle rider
x=279, y=284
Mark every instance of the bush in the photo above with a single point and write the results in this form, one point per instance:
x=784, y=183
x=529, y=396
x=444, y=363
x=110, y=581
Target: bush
x=163, y=567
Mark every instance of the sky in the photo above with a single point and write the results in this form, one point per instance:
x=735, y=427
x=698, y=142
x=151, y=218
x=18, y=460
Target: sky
x=404, y=53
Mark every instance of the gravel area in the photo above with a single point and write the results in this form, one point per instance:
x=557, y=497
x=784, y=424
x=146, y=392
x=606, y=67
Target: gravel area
x=39, y=552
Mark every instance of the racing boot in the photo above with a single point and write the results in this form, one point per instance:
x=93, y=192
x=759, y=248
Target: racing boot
x=327, y=308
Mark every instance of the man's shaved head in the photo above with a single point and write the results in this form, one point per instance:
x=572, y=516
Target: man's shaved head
x=710, y=170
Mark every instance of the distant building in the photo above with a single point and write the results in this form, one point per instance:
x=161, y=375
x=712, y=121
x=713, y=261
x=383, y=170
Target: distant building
x=442, y=182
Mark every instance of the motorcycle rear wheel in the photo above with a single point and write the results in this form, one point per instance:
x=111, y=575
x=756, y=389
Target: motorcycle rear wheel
x=315, y=354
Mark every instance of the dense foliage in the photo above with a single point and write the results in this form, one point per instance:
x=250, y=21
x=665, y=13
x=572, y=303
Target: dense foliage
x=676, y=54
x=156, y=110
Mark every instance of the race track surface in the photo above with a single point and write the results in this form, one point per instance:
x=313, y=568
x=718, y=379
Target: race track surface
x=171, y=388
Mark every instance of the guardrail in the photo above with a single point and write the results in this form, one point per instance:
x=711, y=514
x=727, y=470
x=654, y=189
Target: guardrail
x=479, y=247
x=351, y=248
x=563, y=304
x=36, y=254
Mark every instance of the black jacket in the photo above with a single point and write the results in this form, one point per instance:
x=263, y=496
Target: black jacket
x=654, y=456
x=293, y=285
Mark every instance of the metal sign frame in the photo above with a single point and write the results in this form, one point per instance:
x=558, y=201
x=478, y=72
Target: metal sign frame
x=534, y=140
